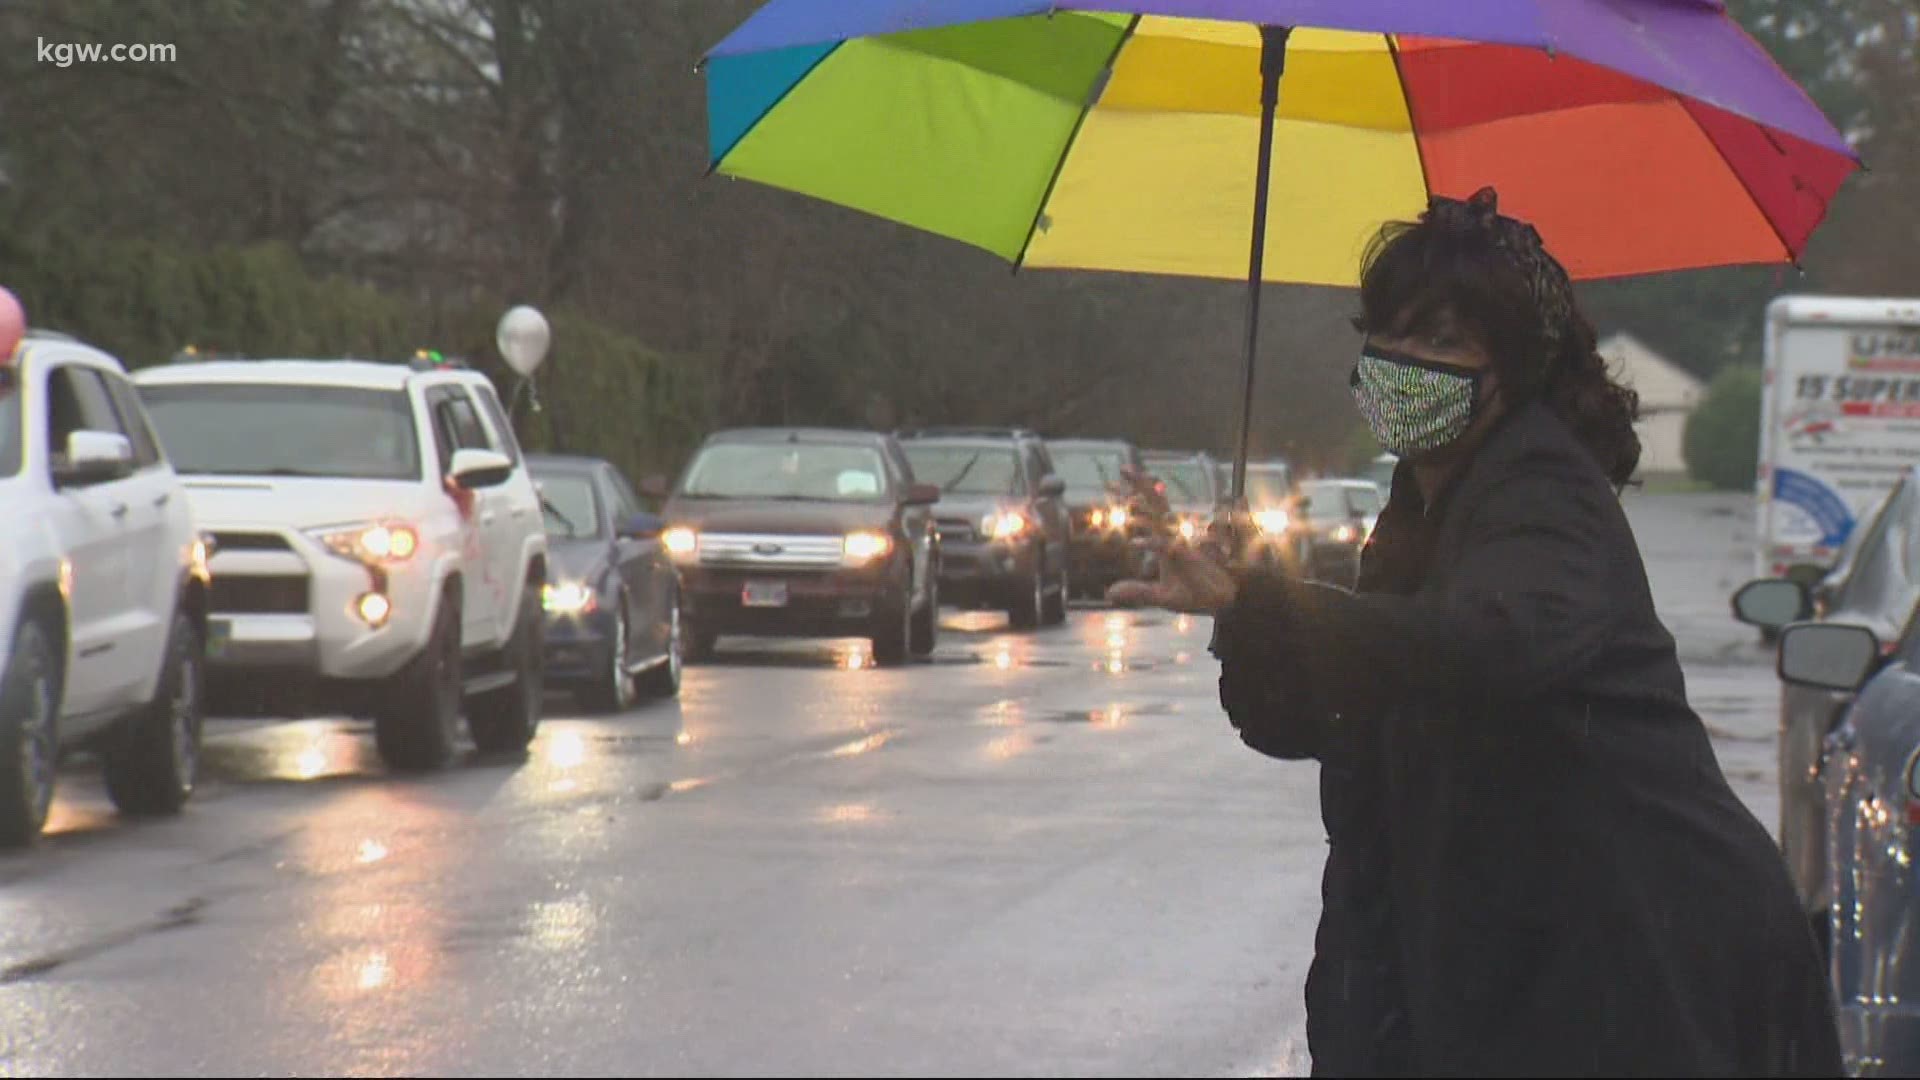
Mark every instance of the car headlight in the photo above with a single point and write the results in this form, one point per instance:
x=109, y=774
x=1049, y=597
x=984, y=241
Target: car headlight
x=380, y=543
x=1118, y=517
x=863, y=547
x=1346, y=534
x=1271, y=522
x=681, y=542
x=1003, y=526
x=568, y=598
x=1190, y=529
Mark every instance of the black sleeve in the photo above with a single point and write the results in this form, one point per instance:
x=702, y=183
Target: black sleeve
x=1269, y=696
x=1525, y=611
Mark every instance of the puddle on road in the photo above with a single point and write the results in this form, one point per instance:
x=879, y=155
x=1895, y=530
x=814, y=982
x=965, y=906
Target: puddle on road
x=1114, y=715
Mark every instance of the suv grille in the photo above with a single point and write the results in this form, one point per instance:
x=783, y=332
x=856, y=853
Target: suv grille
x=232, y=541
x=255, y=595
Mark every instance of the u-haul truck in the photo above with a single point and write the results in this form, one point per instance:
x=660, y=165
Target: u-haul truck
x=1839, y=422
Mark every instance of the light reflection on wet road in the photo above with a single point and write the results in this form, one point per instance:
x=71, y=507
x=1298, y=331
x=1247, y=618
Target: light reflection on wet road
x=992, y=860
x=1036, y=853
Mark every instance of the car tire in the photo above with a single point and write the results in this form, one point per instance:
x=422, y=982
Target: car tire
x=1055, y=610
x=892, y=632
x=664, y=681
x=151, y=767
x=30, y=691
x=503, y=721
x=1030, y=599
x=418, y=718
x=612, y=690
x=925, y=632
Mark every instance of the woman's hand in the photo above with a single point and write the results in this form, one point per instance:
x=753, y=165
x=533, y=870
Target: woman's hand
x=1193, y=578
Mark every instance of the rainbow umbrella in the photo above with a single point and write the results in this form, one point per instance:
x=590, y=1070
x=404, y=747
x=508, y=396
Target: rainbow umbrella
x=1269, y=139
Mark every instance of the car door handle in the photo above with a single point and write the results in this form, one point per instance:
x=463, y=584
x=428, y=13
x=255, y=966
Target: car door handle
x=162, y=500
x=118, y=510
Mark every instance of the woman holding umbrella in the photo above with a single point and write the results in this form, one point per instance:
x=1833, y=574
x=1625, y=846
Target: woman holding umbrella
x=1536, y=865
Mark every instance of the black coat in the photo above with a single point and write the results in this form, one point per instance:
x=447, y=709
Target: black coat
x=1536, y=865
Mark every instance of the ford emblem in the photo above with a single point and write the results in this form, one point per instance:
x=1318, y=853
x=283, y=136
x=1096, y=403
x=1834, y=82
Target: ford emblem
x=767, y=549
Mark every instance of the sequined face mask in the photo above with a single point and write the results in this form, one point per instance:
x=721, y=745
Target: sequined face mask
x=1414, y=405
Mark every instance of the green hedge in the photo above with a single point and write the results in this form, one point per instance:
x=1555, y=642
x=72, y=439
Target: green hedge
x=1722, y=440
x=604, y=393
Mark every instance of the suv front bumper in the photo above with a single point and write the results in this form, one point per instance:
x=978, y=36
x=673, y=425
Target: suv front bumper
x=985, y=572
x=285, y=602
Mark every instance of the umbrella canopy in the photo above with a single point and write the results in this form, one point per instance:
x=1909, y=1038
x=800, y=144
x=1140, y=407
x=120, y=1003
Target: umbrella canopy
x=1636, y=135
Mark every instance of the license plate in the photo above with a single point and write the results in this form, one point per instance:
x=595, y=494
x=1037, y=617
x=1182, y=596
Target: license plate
x=219, y=632
x=764, y=594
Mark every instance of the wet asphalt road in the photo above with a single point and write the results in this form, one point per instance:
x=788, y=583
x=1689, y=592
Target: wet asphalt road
x=1039, y=853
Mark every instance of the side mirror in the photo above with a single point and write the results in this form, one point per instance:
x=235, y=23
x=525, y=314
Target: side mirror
x=1771, y=603
x=474, y=469
x=1052, y=486
x=655, y=487
x=923, y=494
x=643, y=527
x=94, y=457
x=1828, y=656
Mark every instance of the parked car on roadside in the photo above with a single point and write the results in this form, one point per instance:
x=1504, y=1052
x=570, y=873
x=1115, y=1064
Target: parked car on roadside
x=806, y=532
x=378, y=545
x=103, y=590
x=613, y=605
x=1004, y=528
x=1870, y=777
x=1876, y=586
x=1102, y=550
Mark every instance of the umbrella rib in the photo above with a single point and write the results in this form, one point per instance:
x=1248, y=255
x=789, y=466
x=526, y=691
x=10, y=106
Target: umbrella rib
x=1413, y=127
x=714, y=166
x=1101, y=78
x=1793, y=256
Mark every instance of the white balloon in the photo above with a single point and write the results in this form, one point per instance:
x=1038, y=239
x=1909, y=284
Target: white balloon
x=523, y=338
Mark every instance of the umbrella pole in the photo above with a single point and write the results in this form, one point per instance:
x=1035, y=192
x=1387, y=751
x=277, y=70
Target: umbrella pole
x=1273, y=61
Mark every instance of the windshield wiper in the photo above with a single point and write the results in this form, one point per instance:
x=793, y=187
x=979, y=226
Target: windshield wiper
x=573, y=531
x=954, y=483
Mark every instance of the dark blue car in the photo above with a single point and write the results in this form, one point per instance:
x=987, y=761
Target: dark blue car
x=1868, y=773
x=613, y=595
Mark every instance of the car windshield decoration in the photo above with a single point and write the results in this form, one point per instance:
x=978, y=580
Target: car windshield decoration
x=262, y=429
x=820, y=472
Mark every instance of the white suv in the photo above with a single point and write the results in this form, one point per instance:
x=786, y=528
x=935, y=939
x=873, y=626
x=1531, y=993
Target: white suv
x=378, y=547
x=103, y=590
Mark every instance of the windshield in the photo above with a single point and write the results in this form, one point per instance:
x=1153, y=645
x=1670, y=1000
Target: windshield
x=1186, y=481
x=9, y=424
x=1268, y=486
x=966, y=470
x=1324, y=501
x=570, y=506
x=1089, y=472
x=805, y=471
x=263, y=429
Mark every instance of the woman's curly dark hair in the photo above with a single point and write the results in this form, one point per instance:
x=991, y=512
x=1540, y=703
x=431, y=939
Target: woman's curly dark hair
x=1492, y=276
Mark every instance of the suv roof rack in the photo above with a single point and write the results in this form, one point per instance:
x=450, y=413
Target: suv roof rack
x=966, y=431
x=40, y=333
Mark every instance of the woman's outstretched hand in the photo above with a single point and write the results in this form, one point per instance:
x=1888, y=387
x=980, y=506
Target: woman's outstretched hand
x=1193, y=577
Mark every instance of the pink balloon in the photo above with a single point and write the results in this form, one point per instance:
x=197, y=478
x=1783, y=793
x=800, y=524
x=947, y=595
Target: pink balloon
x=13, y=323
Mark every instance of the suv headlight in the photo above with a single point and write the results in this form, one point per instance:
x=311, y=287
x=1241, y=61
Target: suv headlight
x=1003, y=526
x=382, y=543
x=569, y=598
x=866, y=545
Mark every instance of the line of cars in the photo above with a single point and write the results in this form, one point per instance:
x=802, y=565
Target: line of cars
x=1849, y=661
x=285, y=537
